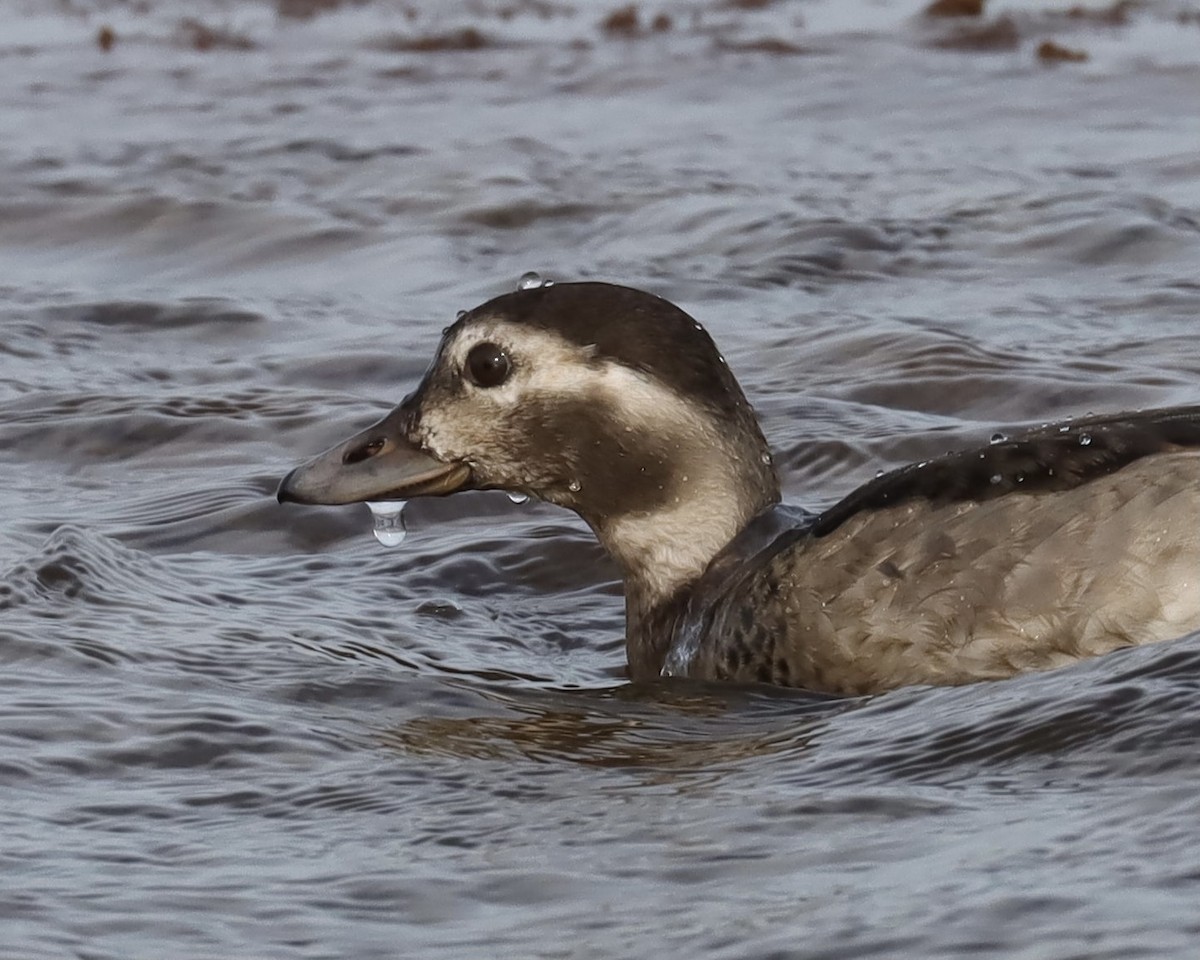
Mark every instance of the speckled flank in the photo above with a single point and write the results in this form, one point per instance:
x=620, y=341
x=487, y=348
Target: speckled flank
x=948, y=593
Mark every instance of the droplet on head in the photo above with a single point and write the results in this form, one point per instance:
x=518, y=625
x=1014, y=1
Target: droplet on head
x=389, y=526
x=996, y=478
x=1085, y=439
x=574, y=486
x=516, y=497
x=766, y=459
x=530, y=281
x=878, y=474
x=998, y=437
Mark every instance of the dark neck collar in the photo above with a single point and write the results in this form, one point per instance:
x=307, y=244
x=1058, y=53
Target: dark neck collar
x=663, y=639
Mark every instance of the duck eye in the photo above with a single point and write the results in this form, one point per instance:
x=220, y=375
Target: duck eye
x=488, y=365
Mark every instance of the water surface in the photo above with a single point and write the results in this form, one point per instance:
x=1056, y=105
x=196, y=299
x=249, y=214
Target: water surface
x=235, y=729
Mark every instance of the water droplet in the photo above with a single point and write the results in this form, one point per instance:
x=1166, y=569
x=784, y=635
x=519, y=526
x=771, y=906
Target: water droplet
x=878, y=474
x=460, y=314
x=998, y=438
x=996, y=478
x=574, y=486
x=1085, y=439
x=548, y=283
x=530, y=281
x=766, y=459
x=1020, y=478
x=517, y=497
x=441, y=609
x=1064, y=428
x=389, y=521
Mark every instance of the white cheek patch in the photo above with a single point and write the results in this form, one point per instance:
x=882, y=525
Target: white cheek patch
x=542, y=364
x=548, y=367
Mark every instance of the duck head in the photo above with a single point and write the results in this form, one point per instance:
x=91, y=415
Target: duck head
x=602, y=399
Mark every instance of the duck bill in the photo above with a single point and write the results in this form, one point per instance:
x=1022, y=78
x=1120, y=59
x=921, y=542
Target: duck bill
x=380, y=463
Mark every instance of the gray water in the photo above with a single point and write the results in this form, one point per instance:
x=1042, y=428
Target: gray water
x=234, y=729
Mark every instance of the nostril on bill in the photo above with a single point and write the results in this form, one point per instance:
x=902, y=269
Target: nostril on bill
x=365, y=452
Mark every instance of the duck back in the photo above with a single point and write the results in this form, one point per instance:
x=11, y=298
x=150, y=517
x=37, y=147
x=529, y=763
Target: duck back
x=1064, y=543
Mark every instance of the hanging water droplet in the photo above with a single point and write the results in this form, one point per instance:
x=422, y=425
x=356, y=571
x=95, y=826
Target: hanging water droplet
x=516, y=497
x=1085, y=439
x=530, y=281
x=389, y=521
x=574, y=486
x=998, y=437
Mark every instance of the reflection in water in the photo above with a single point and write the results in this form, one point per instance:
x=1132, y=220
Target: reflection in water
x=676, y=728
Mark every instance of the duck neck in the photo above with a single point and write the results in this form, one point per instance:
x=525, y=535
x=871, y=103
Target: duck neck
x=662, y=552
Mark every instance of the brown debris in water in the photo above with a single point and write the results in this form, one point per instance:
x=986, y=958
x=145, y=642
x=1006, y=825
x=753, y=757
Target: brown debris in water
x=955, y=8
x=623, y=21
x=306, y=9
x=995, y=37
x=626, y=22
x=106, y=36
x=1116, y=14
x=468, y=38
x=200, y=36
x=770, y=45
x=1050, y=52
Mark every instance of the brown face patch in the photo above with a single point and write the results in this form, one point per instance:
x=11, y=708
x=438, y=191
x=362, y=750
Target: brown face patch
x=574, y=450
